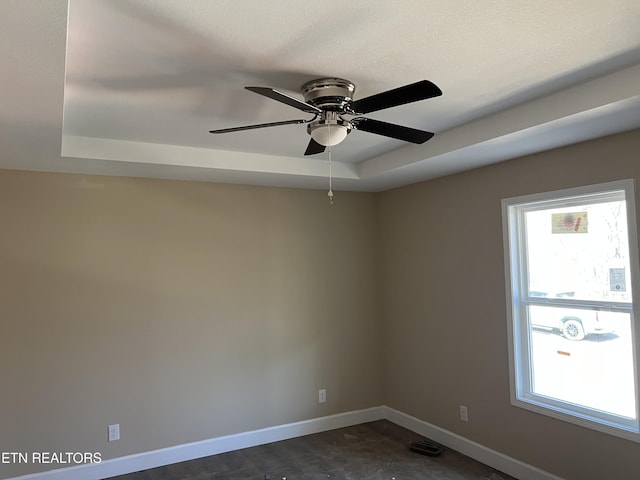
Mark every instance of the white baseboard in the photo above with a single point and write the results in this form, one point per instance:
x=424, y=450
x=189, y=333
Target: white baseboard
x=227, y=443
x=494, y=459
x=213, y=446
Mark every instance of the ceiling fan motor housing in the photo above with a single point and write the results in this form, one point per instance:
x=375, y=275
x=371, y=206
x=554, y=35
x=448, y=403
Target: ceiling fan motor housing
x=332, y=94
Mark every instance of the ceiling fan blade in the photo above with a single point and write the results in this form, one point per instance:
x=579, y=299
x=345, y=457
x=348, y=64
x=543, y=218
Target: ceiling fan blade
x=314, y=147
x=399, y=96
x=258, y=125
x=391, y=130
x=284, y=98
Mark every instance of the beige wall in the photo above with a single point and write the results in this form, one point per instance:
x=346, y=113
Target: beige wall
x=444, y=307
x=185, y=311
x=182, y=311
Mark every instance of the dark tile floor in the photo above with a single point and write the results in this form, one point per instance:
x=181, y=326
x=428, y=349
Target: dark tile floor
x=377, y=450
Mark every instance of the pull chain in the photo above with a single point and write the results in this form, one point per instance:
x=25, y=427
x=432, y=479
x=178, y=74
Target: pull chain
x=330, y=192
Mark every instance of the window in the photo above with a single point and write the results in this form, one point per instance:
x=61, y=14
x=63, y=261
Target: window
x=571, y=265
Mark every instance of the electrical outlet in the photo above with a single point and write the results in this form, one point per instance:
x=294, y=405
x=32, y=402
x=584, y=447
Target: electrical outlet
x=322, y=395
x=114, y=432
x=464, y=415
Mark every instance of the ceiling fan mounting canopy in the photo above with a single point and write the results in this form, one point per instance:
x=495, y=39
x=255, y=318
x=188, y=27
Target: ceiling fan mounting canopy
x=328, y=99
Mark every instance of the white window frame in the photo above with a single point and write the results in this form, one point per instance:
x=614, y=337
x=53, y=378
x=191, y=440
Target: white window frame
x=522, y=396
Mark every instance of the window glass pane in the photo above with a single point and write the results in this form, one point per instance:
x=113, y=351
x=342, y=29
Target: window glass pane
x=583, y=357
x=572, y=320
x=579, y=252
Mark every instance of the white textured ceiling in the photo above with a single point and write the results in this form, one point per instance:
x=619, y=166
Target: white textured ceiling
x=132, y=87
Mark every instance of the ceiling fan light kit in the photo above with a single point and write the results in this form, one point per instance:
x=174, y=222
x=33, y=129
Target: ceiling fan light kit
x=330, y=130
x=328, y=99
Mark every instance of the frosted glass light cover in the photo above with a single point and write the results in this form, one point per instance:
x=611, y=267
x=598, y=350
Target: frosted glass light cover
x=329, y=135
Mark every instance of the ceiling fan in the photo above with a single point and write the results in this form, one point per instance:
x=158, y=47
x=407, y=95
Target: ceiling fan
x=330, y=99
